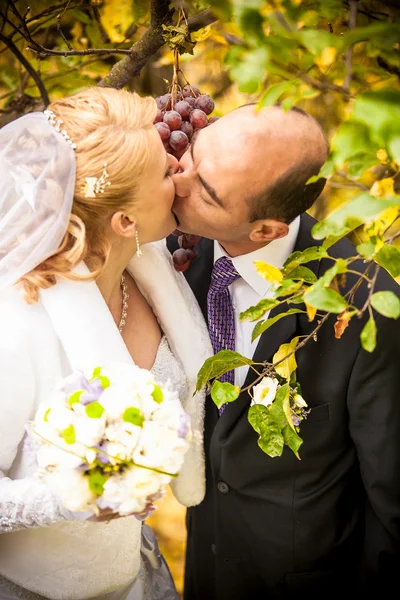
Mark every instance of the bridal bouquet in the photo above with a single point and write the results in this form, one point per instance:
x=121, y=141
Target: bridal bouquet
x=112, y=438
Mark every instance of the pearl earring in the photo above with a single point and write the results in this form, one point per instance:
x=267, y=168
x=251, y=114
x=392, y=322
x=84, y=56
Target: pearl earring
x=138, y=250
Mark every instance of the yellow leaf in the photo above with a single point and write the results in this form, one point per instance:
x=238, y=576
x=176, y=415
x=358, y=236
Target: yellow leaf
x=116, y=17
x=383, y=188
x=379, y=226
x=327, y=57
x=202, y=34
x=311, y=311
x=287, y=366
x=382, y=155
x=270, y=273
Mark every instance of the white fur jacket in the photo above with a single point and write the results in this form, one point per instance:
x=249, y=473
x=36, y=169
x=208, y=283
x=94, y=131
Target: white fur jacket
x=70, y=328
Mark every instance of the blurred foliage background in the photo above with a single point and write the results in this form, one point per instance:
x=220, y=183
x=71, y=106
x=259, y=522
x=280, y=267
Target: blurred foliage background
x=337, y=59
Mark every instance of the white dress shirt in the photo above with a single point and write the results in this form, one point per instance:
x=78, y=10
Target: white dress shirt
x=251, y=288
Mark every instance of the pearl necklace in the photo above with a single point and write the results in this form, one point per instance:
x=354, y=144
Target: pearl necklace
x=125, y=297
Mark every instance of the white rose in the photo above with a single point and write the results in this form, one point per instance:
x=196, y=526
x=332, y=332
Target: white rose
x=131, y=490
x=72, y=488
x=124, y=433
x=63, y=455
x=116, y=399
x=264, y=392
x=160, y=447
x=90, y=431
x=299, y=401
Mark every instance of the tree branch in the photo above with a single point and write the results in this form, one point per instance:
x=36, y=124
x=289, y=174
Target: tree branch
x=130, y=66
x=35, y=76
x=349, y=52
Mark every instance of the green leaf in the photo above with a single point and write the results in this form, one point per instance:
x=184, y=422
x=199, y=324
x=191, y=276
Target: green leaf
x=324, y=298
x=250, y=70
x=339, y=267
x=223, y=392
x=316, y=40
x=105, y=382
x=387, y=304
x=220, y=363
x=46, y=416
x=264, y=325
x=287, y=288
x=292, y=439
x=133, y=415
x=298, y=258
x=76, y=397
x=158, y=394
x=368, y=335
x=284, y=359
x=94, y=410
x=384, y=105
x=256, y=312
x=389, y=258
x=271, y=440
x=274, y=92
x=96, y=482
x=69, y=435
x=352, y=138
x=367, y=249
x=352, y=214
x=278, y=408
x=377, y=32
x=303, y=273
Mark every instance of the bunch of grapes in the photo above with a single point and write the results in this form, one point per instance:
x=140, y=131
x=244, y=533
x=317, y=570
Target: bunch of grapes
x=186, y=252
x=179, y=115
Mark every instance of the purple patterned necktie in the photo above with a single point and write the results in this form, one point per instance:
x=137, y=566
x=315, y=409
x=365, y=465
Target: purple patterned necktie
x=221, y=320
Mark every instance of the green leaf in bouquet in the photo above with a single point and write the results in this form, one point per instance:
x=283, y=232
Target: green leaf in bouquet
x=271, y=440
x=264, y=325
x=303, y=273
x=256, y=312
x=69, y=435
x=75, y=398
x=387, y=304
x=368, y=335
x=223, y=392
x=388, y=257
x=298, y=257
x=96, y=481
x=220, y=363
x=105, y=382
x=94, y=410
x=362, y=209
x=133, y=415
x=324, y=298
x=158, y=394
x=292, y=439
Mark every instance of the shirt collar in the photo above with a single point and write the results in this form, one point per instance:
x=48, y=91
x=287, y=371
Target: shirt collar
x=275, y=253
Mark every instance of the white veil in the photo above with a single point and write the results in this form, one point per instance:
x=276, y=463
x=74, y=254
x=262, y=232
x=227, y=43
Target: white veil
x=37, y=180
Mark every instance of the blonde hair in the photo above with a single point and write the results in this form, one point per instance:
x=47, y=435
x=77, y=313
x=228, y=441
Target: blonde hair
x=108, y=126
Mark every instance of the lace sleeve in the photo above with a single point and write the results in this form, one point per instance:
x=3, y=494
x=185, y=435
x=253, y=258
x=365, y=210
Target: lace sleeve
x=28, y=503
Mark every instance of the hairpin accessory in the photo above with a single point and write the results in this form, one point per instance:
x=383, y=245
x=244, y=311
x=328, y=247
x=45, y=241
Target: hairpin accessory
x=138, y=250
x=56, y=123
x=96, y=185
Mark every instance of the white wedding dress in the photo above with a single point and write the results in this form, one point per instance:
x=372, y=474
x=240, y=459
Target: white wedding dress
x=78, y=557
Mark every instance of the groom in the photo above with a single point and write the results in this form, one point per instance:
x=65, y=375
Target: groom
x=281, y=527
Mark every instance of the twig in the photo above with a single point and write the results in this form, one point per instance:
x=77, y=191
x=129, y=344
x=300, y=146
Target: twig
x=371, y=291
x=349, y=52
x=359, y=185
x=35, y=76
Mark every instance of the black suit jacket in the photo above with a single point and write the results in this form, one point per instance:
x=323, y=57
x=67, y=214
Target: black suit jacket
x=330, y=522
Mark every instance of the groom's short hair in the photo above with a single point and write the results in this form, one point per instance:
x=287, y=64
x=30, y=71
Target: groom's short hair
x=290, y=195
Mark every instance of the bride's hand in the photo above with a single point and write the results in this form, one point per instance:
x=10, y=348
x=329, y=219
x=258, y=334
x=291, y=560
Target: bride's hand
x=105, y=515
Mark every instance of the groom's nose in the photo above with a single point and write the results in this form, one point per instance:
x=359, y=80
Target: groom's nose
x=183, y=180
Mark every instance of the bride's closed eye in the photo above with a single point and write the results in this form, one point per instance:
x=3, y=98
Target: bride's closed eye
x=169, y=172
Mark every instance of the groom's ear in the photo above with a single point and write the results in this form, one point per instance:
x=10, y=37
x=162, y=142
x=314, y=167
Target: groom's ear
x=267, y=230
x=123, y=225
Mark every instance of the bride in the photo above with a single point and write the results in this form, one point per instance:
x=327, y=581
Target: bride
x=85, y=187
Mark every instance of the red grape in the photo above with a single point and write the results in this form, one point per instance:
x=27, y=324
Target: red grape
x=190, y=90
x=183, y=108
x=181, y=260
x=159, y=116
x=173, y=119
x=163, y=130
x=198, y=118
x=205, y=103
x=188, y=240
x=187, y=128
x=178, y=140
